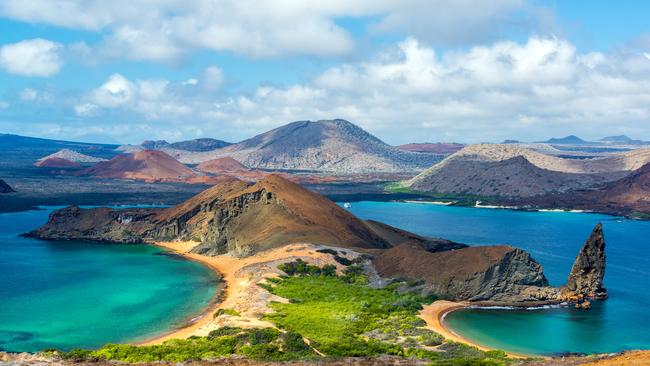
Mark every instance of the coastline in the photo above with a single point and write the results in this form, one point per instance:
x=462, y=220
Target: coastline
x=434, y=315
x=240, y=291
x=187, y=329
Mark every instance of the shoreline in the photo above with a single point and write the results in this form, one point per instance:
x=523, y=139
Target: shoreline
x=434, y=315
x=187, y=328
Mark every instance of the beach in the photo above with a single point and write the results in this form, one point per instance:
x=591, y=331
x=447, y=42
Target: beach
x=240, y=291
x=434, y=315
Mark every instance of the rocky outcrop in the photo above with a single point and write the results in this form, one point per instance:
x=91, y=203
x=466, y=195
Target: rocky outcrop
x=491, y=273
x=5, y=188
x=98, y=225
x=588, y=271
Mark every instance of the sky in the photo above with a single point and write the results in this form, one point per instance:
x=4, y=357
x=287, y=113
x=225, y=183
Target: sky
x=125, y=71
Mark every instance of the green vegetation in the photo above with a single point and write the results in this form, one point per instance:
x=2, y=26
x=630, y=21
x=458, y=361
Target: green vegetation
x=458, y=199
x=226, y=312
x=339, y=315
x=258, y=344
x=342, y=317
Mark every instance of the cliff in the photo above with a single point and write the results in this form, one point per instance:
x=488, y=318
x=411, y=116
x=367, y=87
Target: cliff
x=494, y=273
x=588, y=271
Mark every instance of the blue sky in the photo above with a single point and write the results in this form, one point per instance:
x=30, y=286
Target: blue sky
x=441, y=70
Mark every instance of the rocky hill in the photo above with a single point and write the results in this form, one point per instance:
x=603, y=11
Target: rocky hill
x=469, y=273
x=243, y=219
x=513, y=177
x=5, y=188
x=54, y=162
x=627, y=196
x=232, y=216
x=222, y=166
x=147, y=165
x=69, y=155
x=330, y=146
x=508, y=170
x=444, y=148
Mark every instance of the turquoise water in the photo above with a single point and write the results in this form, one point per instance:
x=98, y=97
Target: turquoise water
x=554, y=239
x=71, y=294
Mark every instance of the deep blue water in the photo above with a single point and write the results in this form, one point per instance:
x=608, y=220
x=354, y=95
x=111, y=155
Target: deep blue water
x=72, y=294
x=553, y=239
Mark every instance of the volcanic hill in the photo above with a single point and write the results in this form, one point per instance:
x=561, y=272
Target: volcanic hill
x=66, y=158
x=147, y=165
x=629, y=195
x=330, y=146
x=507, y=170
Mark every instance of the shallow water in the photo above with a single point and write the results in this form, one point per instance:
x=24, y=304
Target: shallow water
x=72, y=294
x=554, y=239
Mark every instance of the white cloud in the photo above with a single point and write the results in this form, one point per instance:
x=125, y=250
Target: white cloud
x=505, y=89
x=35, y=57
x=165, y=31
x=115, y=92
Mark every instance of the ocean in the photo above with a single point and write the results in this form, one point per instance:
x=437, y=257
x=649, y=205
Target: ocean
x=68, y=295
x=553, y=239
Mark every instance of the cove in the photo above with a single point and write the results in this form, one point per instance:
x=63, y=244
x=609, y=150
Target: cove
x=69, y=295
x=553, y=239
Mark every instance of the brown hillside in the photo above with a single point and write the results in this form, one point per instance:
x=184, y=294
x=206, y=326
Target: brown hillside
x=57, y=163
x=147, y=165
x=271, y=213
x=221, y=166
x=622, y=197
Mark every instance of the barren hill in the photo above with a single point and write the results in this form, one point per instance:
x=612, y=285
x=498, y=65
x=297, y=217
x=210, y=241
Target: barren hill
x=54, y=162
x=332, y=146
x=69, y=155
x=626, y=196
x=513, y=177
x=232, y=216
x=221, y=166
x=513, y=171
x=148, y=165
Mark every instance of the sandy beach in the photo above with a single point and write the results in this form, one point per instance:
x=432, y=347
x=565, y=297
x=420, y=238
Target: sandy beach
x=240, y=293
x=434, y=315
